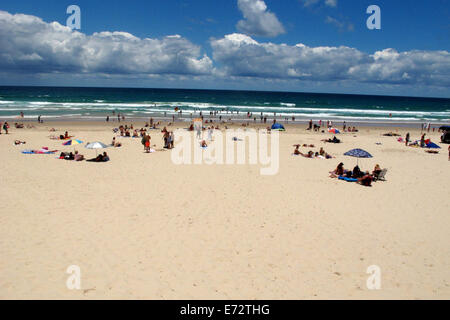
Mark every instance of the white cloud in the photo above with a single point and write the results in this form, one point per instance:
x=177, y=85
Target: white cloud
x=328, y=3
x=33, y=49
x=29, y=44
x=258, y=21
x=242, y=56
x=341, y=25
x=331, y=3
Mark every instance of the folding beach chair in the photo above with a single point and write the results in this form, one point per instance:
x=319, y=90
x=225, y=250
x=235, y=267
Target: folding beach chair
x=382, y=175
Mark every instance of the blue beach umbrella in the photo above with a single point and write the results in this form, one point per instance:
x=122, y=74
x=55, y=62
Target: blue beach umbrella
x=432, y=145
x=278, y=126
x=358, y=153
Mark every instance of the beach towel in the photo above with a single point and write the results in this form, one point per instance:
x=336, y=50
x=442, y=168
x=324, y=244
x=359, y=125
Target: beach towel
x=42, y=151
x=348, y=179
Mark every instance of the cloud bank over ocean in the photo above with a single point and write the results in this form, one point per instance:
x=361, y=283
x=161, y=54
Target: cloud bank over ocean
x=31, y=46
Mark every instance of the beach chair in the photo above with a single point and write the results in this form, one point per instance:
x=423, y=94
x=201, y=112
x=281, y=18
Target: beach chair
x=382, y=175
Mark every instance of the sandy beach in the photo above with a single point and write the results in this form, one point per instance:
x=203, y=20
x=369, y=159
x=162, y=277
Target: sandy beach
x=141, y=227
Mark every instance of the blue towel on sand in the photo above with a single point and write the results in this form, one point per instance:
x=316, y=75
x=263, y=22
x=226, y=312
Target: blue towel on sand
x=348, y=179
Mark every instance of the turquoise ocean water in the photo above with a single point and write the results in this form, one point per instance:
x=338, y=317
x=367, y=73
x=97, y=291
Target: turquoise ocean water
x=96, y=103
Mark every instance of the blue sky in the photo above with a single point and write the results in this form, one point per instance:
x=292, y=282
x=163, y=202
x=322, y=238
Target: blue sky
x=419, y=29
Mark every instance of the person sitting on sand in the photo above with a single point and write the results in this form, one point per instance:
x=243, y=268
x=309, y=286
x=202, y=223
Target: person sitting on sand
x=115, y=144
x=366, y=180
x=357, y=173
x=376, y=171
x=135, y=134
x=203, y=144
x=322, y=152
x=69, y=156
x=297, y=150
x=78, y=157
x=339, y=171
x=191, y=127
x=18, y=125
x=355, y=130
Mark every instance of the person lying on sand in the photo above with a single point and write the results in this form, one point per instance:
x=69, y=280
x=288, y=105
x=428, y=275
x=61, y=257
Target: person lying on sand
x=366, y=180
x=309, y=155
x=391, y=134
x=18, y=125
x=334, y=140
x=100, y=158
x=18, y=142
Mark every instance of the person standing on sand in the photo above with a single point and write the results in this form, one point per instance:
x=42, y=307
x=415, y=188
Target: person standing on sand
x=5, y=127
x=407, y=139
x=210, y=133
x=147, y=140
x=422, y=141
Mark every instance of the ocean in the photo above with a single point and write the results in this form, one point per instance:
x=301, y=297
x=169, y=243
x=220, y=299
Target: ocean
x=62, y=103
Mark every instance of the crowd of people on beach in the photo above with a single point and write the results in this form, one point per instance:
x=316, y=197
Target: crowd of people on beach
x=356, y=175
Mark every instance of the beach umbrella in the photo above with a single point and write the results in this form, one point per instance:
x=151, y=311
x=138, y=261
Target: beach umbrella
x=334, y=131
x=278, y=126
x=431, y=145
x=358, y=153
x=72, y=142
x=96, y=145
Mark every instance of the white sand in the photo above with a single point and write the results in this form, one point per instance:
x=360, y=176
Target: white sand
x=141, y=227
